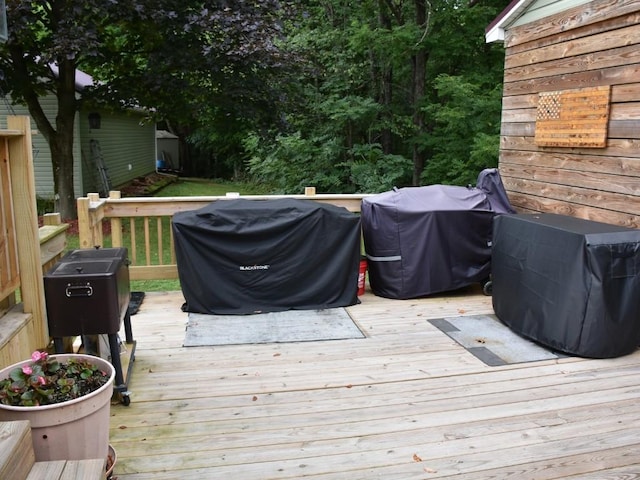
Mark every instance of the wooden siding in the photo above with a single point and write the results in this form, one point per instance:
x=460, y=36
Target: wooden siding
x=586, y=46
x=127, y=144
x=543, y=8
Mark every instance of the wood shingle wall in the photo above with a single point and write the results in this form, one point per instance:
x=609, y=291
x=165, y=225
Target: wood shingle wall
x=593, y=45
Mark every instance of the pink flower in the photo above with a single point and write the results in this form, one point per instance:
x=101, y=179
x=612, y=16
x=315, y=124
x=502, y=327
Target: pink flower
x=27, y=370
x=42, y=381
x=37, y=356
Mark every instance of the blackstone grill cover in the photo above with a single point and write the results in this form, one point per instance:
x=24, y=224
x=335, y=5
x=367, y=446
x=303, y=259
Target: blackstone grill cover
x=249, y=256
x=567, y=283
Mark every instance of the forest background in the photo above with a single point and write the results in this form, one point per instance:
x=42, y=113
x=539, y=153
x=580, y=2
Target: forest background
x=348, y=96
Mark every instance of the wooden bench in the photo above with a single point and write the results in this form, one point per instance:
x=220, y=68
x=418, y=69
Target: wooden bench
x=18, y=462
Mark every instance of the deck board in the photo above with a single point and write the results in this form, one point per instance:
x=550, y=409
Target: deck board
x=406, y=402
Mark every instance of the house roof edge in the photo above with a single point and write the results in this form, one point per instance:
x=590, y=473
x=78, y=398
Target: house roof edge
x=495, y=30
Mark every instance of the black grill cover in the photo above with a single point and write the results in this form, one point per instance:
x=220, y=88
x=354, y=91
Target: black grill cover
x=568, y=283
x=249, y=256
x=490, y=183
x=424, y=240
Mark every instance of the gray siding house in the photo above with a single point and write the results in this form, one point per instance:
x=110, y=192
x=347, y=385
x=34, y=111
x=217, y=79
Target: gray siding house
x=124, y=144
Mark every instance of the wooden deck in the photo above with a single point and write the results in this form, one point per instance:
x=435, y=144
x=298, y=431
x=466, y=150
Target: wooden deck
x=405, y=403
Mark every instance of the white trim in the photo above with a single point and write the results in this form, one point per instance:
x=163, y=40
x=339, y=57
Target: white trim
x=496, y=33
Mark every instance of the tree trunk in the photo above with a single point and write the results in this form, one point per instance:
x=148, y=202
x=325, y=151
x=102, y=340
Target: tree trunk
x=419, y=63
x=61, y=148
x=62, y=142
x=60, y=139
x=386, y=86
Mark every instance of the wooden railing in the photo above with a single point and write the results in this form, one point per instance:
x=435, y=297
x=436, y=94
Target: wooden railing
x=25, y=248
x=53, y=240
x=143, y=225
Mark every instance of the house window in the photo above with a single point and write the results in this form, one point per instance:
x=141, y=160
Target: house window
x=94, y=120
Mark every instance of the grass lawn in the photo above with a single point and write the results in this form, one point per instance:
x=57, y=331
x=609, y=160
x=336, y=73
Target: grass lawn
x=189, y=187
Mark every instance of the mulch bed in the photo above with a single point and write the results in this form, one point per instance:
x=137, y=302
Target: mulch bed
x=145, y=186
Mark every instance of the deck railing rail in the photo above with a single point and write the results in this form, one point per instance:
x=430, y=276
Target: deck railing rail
x=143, y=225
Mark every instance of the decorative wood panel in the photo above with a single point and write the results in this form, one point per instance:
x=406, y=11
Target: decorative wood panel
x=573, y=118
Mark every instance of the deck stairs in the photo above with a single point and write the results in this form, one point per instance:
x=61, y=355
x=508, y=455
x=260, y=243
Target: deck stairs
x=17, y=459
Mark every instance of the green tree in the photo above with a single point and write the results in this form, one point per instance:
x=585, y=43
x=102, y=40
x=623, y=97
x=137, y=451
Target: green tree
x=178, y=57
x=464, y=130
x=463, y=104
x=383, y=84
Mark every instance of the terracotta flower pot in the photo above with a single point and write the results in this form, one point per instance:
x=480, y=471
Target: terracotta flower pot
x=73, y=430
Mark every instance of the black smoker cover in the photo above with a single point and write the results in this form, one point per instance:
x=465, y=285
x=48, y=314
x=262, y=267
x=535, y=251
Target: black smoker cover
x=490, y=183
x=424, y=240
x=248, y=256
x=568, y=283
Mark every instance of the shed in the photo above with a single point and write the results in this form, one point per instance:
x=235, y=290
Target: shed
x=168, y=146
x=570, y=133
x=121, y=140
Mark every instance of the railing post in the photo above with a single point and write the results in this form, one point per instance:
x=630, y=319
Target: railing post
x=28, y=240
x=51, y=219
x=116, y=223
x=85, y=234
x=95, y=218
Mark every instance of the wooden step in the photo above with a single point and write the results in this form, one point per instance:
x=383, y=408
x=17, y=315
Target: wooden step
x=18, y=462
x=69, y=470
x=16, y=450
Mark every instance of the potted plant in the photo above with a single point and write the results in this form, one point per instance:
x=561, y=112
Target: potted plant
x=67, y=399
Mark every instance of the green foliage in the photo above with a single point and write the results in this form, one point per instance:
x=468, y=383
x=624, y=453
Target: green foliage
x=44, y=205
x=356, y=121
x=337, y=154
x=464, y=138
x=373, y=171
x=292, y=162
x=341, y=95
x=195, y=64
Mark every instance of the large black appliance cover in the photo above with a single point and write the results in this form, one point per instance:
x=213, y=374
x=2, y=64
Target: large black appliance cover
x=425, y=240
x=568, y=283
x=248, y=256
